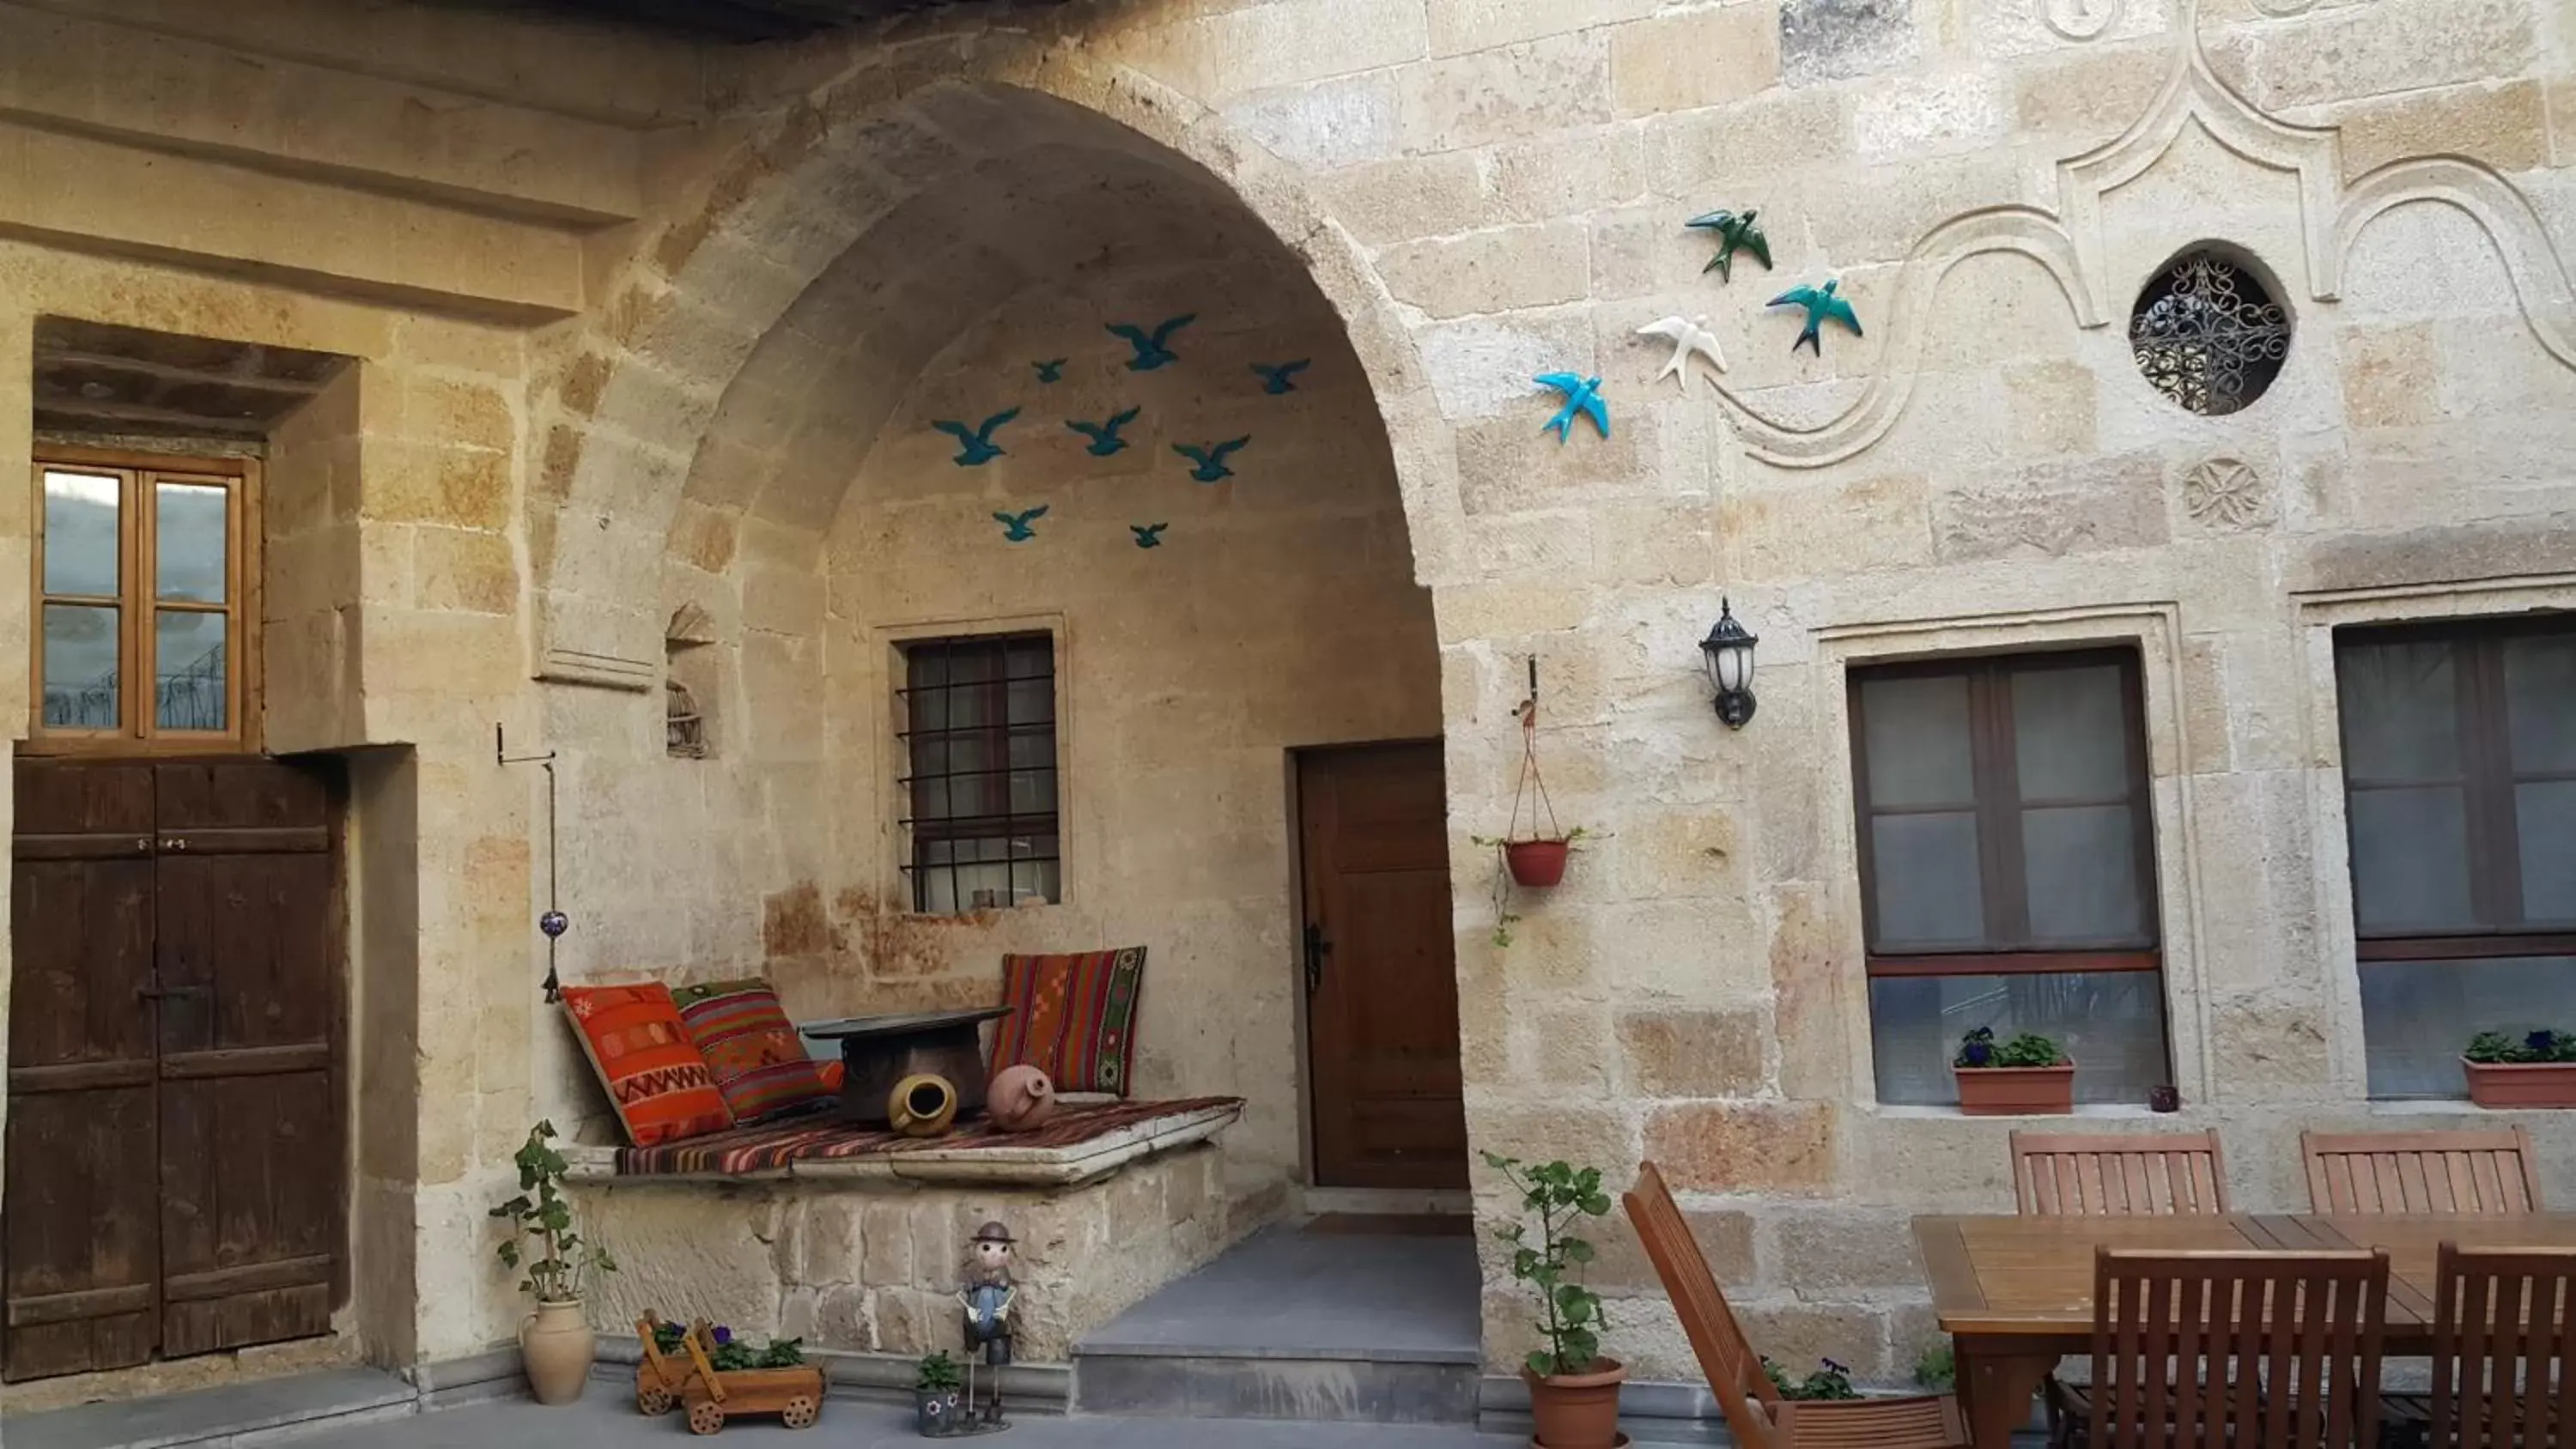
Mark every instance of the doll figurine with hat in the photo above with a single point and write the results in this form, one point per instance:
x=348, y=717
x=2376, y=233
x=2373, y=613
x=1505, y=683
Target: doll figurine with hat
x=989, y=1299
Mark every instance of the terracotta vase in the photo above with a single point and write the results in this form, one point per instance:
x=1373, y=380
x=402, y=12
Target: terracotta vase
x=2521, y=1084
x=2016, y=1091
x=557, y=1348
x=1536, y=864
x=922, y=1105
x=1020, y=1099
x=1577, y=1411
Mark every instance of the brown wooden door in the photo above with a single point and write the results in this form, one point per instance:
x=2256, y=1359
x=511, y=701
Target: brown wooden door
x=200, y=947
x=1381, y=976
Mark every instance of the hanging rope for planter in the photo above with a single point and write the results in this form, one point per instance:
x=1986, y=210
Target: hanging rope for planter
x=1531, y=780
x=1536, y=860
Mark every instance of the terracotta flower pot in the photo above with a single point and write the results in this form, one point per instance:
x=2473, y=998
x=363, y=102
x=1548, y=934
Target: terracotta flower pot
x=557, y=1348
x=1536, y=864
x=1020, y=1099
x=2016, y=1091
x=922, y=1105
x=2521, y=1084
x=1577, y=1411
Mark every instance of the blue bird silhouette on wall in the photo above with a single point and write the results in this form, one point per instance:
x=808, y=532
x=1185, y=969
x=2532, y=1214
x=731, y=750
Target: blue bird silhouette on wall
x=1582, y=395
x=1104, y=436
x=1150, y=351
x=1148, y=535
x=1051, y=371
x=1211, y=459
x=1822, y=307
x=1016, y=526
x=979, y=447
x=1274, y=377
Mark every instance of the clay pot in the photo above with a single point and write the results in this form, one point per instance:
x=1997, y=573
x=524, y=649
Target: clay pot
x=557, y=1348
x=1536, y=864
x=922, y=1105
x=2016, y=1091
x=1577, y=1411
x=1020, y=1099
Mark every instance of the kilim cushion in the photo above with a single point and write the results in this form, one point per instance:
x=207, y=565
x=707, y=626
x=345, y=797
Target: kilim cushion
x=655, y=1076
x=1073, y=1017
x=758, y=1060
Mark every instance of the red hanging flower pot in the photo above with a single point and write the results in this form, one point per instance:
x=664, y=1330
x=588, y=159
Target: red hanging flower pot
x=1536, y=864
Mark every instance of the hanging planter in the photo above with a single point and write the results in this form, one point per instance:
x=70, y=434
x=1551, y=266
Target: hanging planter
x=1537, y=864
x=1534, y=854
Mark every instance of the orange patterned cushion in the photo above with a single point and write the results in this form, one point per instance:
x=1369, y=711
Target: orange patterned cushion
x=1073, y=1017
x=656, y=1079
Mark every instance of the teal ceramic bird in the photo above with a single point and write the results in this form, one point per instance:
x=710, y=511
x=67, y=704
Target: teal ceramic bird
x=1104, y=436
x=1822, y=306
x=1582, y=395
x=1151, y=352
x=978, y=446
x=1734, y=233
x=1148, y=535
x=1274, y=377
x=1051, y=371
x=1211, y=459
x=1016, y=526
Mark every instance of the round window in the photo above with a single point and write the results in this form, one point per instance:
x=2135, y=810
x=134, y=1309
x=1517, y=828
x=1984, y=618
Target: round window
x=2207, y=332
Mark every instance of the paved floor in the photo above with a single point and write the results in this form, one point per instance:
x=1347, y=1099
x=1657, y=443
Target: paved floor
x=1380, y=1297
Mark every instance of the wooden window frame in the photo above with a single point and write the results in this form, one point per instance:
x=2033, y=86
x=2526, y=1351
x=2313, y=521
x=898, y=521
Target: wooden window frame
x=2503, y=930
x=926, y=831
x=138, y=601
x=1997, y=804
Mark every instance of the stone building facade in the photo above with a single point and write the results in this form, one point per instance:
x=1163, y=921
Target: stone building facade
x=645, y=335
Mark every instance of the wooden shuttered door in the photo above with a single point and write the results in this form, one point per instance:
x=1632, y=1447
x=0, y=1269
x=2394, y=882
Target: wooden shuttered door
x=176, y=1153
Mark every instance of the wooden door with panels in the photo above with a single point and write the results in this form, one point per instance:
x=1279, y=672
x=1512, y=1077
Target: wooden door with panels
x=177, y=1154
x=1386, y=1097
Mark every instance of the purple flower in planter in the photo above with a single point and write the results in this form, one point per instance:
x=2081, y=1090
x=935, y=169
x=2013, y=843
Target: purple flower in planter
x=724, y=1335
x=1839, y=1368
x=1977, y=1053
x=2542, y=1043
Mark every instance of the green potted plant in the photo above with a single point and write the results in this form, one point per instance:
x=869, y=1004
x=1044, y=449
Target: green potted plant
x=2026, y=1075
x=1574, y=1391
x=555, y=1342
x=2536, y=1069
x=938, y=1385
x=1831, y=1380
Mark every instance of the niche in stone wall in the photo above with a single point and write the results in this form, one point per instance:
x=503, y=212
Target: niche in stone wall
x=689, y=684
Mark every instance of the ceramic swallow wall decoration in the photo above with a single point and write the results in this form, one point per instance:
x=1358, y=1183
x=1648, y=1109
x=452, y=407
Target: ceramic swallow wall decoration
x=1051, y=371
x=977, y=447
x=1104, y=436
x=1734, y=233
x=1017, y=527
x=1582, y=395
x=1151, y=349
x=1822, y=307
x=1690, y=337
x=1275, y=377
x=1148, y=535
x=1211, y=459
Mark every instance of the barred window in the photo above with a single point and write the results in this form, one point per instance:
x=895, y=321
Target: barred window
x=979, y=738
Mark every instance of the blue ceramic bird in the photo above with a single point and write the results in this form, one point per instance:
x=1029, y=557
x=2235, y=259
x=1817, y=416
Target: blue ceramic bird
x=1148, y=535
x=1582, y=395
x=1150, y=351
x=1822, y=307
x=1016, y=526
x=1104, y=436
x=1274, y=377
x=1051, y=371
x=979, y=447
x=1211, y=459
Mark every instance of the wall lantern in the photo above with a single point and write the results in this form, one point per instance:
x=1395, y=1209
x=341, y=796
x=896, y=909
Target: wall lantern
x=1729, y=651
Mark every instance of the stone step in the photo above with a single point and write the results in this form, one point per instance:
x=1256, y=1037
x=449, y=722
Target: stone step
x=1237, y=1385
x=266, y=1410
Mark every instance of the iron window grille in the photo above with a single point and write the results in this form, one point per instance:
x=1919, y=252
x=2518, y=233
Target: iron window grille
x=2208, y=334
x=979, y=738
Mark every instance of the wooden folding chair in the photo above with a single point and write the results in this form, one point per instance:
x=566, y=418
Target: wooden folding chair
x=2504, y=1329
x=2243, y=1350
x=1755, y=1413
x=2421, y=1172
x=2118, y=1173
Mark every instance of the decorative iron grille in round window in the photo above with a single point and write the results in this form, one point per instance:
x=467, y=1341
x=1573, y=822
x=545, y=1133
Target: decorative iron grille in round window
x=2207, y=333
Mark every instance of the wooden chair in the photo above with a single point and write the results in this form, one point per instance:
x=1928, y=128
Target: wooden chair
x=2421, y=1172
x=1756, y=1415
x=2504, y=1330
x=2245, y=1350
x=2118, y=1173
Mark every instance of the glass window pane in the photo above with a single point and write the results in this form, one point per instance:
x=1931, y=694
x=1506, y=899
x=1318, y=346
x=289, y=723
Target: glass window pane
x=80, y=532
x=2540, y=699
x=2071, y=733
x=1915, y=731
x=80, y=667
x=2081, y=863
x=2410, y=859
x=191, y=538
x=2111, y=1022
x=188, y=688
x=1033, y=792
x=2545, y=817
x=1925, y=871
x=2400, y=704
x=1032, y=700
x=2416, y=1016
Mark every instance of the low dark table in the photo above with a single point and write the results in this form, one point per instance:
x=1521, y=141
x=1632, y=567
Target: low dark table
x=879, y=1051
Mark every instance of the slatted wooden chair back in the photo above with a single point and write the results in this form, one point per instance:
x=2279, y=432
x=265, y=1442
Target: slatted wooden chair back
x=2504, y=1328
x=2118, y=1174
x=1745, y=1395
x=2422, y=1172
x=2248, y=1350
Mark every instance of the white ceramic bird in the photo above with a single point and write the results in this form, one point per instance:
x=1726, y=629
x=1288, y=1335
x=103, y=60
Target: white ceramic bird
x=1688, y=335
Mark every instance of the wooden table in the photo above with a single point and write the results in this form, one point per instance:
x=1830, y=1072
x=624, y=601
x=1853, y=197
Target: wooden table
x=2016, y=1293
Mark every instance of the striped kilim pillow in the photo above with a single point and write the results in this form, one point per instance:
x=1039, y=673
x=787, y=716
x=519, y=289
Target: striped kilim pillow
x=1073, y=1017
x=656, y=1078
x=758, y=1060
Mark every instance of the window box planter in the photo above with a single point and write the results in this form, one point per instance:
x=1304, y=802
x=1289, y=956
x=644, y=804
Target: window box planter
x=2016, y=1091
x=2500, y=1085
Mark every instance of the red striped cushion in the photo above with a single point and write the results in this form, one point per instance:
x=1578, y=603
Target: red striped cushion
x=1073, y=1017
x=657, y=1080
x=758, y=1060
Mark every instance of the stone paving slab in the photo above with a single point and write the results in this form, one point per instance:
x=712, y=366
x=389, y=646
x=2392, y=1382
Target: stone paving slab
x=333, y=1400
x=1378, y=1298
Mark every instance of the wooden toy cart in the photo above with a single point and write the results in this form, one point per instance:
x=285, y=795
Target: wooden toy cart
x=660, y=1377
x=794, y=1394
